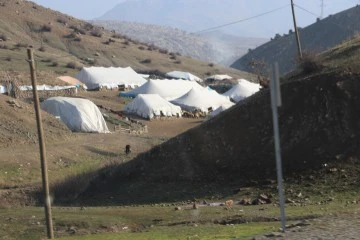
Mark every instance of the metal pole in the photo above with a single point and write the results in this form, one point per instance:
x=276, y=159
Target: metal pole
x=296, y=30
x=44, y=173
x=275, y=103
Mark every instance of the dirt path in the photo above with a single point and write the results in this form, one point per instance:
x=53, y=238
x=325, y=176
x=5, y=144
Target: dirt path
x=331, y=227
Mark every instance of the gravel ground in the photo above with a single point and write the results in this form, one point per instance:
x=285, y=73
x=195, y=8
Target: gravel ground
x=331, y=227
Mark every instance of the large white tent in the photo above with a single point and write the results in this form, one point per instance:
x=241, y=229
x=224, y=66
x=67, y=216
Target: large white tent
x=184, y=75
x=79, y=115
x=242, y=90
x=201, y=99
x=111, y=77
x=150, y=105
x=167, y=89
x=223, y=107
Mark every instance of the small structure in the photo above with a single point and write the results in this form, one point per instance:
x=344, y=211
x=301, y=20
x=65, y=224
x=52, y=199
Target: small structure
x=242, y=90
x=79, y=115
x=152, y=105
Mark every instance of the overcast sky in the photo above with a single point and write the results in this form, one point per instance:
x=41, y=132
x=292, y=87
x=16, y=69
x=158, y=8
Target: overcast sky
x=91, y=9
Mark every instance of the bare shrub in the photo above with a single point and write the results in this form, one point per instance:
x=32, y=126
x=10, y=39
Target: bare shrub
x=88, y=26
x=211, y=64
x=42, y=49
x=173, y=57
x=3, y=46
x=62, y=19
x=260, y=68
x=208, y=73
x=146, y=61
x=72, y=65
x=8, y=58
x=178, y=62
x=96, y=32
x=45, y=28
x=46, y=60
x=3, y=37
x=117, y=36
x=163, y=51
x=309, y=62
x=126, y=42
x=78, y=29
x=54, y=64
x=142, y=48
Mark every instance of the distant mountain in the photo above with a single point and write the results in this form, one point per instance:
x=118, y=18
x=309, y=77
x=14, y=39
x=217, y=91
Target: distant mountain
x=188, y=15
x=315, y=38
x=215, y=46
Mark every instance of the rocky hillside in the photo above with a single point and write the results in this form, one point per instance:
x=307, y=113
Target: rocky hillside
x=63, y=44
x=215, y=46
x=320, y=36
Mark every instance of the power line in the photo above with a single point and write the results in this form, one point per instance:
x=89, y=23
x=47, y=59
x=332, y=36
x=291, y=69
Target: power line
x=316, y=15
x=242, y=20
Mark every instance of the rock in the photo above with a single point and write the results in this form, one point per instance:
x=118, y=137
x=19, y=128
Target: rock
x=177, y=208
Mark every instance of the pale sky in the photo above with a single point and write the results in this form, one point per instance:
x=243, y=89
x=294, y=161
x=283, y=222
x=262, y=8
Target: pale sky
x=271, y=23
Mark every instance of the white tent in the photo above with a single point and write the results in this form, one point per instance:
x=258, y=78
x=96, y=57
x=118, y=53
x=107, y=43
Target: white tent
x=219, y=77
x=242, y=90
x=184, y=75
x=79, y=115
x=223, y=107
x=167, y=89
x=112, y=77
x=201, y=99
x=150, y=105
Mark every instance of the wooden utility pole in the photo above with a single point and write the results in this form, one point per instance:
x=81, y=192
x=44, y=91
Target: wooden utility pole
x=296, y=30
x=44, y=172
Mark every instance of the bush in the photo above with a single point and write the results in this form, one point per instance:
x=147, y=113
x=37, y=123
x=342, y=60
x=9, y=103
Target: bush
x=146, y=61
x=117, y=36
x=78, y=29
x=8, y=59
x=178, y=62
x=3, y=37
x=42, y=49
x=62, y=19
x=142, y=48
x=211, y=64
x=46, y=60
x=96, y=32
x=163, y=51
x=72, y=65
x=309, y=62
x=45, y=28
x=173, y=57
x=54, y=64
x=3, y=46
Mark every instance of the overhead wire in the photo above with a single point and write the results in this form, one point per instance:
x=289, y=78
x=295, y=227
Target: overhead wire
x=242, y=20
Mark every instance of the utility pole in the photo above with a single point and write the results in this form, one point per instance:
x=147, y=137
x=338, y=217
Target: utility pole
x=44, y=171
x=296, y=30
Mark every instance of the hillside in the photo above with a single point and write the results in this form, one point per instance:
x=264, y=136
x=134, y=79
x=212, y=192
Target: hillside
x=215, y=46
x=63, y=44
x=318, y=125
x=318, y=37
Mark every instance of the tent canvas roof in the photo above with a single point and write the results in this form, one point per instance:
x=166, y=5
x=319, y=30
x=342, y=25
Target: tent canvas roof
x=184, y=75
x=223, y=107
x=167, y=89
x=242, y=90
x=79, y=115
x=201, y=99
x=219, y=77
x=150, y=105
x=95, y=77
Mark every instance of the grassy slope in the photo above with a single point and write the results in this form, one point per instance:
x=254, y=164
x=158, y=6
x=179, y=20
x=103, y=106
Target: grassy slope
x=21, y=21
x=317, y=37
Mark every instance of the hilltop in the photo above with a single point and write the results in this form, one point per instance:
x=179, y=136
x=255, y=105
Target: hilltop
x=315, y=38
x=215, y=46
x=64, y=44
